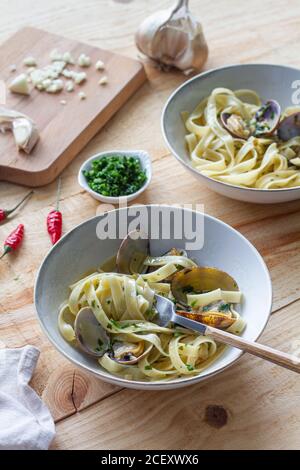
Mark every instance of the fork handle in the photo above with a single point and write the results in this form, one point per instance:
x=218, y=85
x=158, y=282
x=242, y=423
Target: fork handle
x=265, y=352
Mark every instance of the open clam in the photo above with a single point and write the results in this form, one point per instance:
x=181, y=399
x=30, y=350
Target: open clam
x=199, y=280
x=263, y=124
x=94, y=340
x=129, y=353
x=132, y=253
x=289, y=127
x=91, y=336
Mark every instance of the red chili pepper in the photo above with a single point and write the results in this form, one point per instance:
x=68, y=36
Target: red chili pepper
x=4, y=213
x=54, y=220
x=13, y=240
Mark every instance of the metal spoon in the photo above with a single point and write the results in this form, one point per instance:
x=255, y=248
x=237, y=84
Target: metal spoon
x=167, y=314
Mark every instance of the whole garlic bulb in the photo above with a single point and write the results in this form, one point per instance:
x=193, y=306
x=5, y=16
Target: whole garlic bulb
x=173, y=38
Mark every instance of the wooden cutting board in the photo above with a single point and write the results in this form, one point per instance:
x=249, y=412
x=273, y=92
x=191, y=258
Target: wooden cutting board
x=64, y=129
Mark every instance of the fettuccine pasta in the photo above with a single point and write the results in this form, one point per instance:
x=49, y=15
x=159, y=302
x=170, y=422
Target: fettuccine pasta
x=125, y=307
x=263, y=162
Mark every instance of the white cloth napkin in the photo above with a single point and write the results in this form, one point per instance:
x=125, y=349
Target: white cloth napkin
x=25, y=422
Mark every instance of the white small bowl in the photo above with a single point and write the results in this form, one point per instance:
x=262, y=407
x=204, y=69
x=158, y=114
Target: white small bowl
x=269, y=81
x=145, y=160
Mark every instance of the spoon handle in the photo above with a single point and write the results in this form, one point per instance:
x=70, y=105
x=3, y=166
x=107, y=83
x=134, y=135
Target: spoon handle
x=265, y=352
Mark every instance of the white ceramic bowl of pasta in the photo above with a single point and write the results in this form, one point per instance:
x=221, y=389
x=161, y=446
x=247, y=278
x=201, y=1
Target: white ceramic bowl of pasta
x=269, y=81
x=80, y=251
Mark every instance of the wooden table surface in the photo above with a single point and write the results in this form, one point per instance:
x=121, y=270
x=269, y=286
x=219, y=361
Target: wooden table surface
x=262, y=400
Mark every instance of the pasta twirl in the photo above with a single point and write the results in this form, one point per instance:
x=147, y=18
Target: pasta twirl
x=125, y=306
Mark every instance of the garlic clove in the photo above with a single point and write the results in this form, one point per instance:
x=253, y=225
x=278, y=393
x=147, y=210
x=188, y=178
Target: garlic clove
x=20, y=85
x=25, y=134
x=173, y=38
x=24, y=129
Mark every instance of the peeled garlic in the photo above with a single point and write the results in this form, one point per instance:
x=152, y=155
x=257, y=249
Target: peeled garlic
x=67, y=57
x=23, y=128
x=99, y=65
x=20, y=85
x=173, y=38
x=25, y=134
x=29, y=61
x=84, y=60
x=56, y=55
x=103, y=80
x=55, y=86
x=79, y=77
x=82, y=95
x=69, y=86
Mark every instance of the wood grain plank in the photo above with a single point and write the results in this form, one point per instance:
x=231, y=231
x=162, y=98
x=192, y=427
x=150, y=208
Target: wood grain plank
x=63, y=387
x=261, y=402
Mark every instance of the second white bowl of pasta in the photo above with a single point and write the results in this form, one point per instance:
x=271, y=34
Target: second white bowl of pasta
x=134, y=350
x=237, y=130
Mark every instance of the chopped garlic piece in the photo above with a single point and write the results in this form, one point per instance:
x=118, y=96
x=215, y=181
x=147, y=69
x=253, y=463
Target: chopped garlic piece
x=55, y=86
x=103, y=80
x=82, y=95
x=57, y=66
x=20, y=85
x=37, y=76
x=68, y=73
x=67, y=57
x=29, y=70
x=63, y=102
x=55, y=55
x=29, y=61
x=79, y=77
x=45, y=83
x=69, y=86
x=84, y=60
x=100, y=65
x=13, y=68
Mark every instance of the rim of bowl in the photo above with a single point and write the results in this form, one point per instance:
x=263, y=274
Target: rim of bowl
x=188, y=165
x=116, y=199
x=155, y=384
